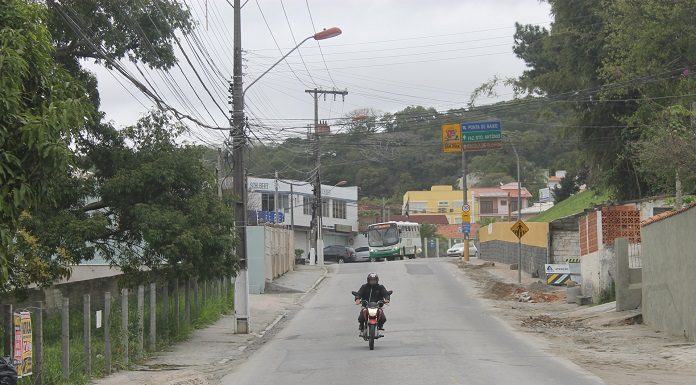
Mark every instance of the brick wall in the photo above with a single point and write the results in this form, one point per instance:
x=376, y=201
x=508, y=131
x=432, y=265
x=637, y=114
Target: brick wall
x=620, y=222
x=533, y=257
x=588, y=233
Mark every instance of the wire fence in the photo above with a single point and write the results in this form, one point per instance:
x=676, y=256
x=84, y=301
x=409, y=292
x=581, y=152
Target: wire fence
x=111, y=331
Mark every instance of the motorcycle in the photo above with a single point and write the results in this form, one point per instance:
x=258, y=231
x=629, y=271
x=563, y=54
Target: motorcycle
x=372, y=312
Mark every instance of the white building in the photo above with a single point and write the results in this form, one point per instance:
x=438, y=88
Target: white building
x=340, y=209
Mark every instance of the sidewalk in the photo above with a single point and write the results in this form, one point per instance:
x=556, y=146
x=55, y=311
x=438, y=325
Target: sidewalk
x=210, y=352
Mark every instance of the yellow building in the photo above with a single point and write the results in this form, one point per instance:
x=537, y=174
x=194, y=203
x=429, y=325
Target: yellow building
x=439, y=200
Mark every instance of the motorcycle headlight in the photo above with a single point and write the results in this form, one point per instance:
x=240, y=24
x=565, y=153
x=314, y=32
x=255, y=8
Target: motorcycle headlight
x=372, y=312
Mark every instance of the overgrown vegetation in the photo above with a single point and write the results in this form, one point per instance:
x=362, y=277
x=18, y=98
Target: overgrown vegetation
x=573, y=205
x=608, y=294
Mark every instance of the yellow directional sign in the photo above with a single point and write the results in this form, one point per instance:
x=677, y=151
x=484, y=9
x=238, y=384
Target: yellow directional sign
x=520, y=229
x=466, y=216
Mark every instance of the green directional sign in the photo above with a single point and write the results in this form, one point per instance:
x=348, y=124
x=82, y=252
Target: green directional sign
x=481, y=136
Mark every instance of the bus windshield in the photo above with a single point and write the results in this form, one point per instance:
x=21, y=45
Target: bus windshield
x=383, y=235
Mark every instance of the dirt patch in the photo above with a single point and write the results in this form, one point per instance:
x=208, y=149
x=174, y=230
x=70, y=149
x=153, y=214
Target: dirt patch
x=616, y=347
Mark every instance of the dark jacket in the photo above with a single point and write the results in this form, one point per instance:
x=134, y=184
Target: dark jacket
x=373, y=293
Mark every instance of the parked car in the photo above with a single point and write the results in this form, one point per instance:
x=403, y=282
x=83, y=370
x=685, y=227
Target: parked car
x=457, y=250
x=339, y=254
x=362, y=254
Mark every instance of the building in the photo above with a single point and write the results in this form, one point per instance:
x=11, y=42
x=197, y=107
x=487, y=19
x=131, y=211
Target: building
x=440, y=199
x=295, y=198
x=498, y=202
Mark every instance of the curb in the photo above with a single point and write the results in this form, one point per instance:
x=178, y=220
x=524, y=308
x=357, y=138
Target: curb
x=314, y=286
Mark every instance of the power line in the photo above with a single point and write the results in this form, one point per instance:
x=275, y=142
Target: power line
x=314, y=28
x=292, y=34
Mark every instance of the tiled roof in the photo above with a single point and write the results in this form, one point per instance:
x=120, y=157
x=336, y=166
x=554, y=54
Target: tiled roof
x=431, y=219
x=665, y=215
x=452, y=231
x=503, y=192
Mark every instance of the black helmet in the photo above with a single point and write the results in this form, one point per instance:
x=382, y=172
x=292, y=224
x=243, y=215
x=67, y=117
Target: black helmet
x=374, y=277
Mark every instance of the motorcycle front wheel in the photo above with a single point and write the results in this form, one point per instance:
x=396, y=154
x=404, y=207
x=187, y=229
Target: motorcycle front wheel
x=373, y=335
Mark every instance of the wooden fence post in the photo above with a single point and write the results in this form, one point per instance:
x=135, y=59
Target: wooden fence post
x=153, y=316
x=141, y=320
x=38, y=344
x=65, y=338
x=8, y=327
x=187, y=302
x=124, y=324
x=87, y=320
x=196, y=303
x=165, y=309
x=176, y=306
x=107, y=333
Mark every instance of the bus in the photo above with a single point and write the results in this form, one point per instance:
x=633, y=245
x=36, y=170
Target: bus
x=394, y=240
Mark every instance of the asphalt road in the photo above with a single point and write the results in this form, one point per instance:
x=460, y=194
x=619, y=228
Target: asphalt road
x=437, y=333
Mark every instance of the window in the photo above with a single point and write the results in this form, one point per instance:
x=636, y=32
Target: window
x=307, y=205
x=417, y=207
x=513, y=205
x=503, y=203
x=442, y=210
x=284, y=202
x=458, y=220
x=443, y=203
x=325, y=208
x=339, y=209
x=267, y=202
x=487, y=207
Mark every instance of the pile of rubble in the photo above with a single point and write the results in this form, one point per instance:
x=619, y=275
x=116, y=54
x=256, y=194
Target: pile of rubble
x=546, y=321
x=512, y=292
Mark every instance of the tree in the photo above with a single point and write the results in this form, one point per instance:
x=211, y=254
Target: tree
x=564, y=67
x=152, y=203
x=568, y=186
x=41, y=109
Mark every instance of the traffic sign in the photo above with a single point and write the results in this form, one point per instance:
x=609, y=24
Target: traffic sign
x=465, y=228
x=466, y=216
x=451, y=137
x=485, y=135
x=466, y=207
x=520, y=229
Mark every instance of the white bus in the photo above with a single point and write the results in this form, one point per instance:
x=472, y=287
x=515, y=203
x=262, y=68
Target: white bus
x=394, y=240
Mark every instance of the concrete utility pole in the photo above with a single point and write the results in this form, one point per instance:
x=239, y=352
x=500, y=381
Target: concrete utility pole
x=241, y=283
x=519, y=216
x=275, y=200
x=465, y=201
x=316, y=241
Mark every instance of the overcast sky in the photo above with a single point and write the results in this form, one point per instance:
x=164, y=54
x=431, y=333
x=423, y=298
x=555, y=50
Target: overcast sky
x=392, y=54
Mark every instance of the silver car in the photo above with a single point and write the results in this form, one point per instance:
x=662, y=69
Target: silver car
x=362, y=254
x=457, y=250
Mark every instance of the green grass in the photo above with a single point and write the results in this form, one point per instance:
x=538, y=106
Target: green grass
x=573, y=205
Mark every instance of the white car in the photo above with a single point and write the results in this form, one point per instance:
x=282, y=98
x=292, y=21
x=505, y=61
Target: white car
x=362, y=254
x=457, y=250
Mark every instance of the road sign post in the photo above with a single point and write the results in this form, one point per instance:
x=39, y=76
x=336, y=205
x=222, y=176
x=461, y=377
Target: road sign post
x=519, y=229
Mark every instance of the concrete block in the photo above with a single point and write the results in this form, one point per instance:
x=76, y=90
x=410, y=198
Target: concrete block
x=583, y=300
x=513, y=266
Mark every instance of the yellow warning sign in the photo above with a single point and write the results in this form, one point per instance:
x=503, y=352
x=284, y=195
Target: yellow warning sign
x=519, y=229
x=557, y=279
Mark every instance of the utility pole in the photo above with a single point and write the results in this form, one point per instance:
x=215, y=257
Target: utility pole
x=241, y=283
x=465, y=201
x=519, y=216
x=218, y=173
x=292, y=209
x=275, y=200
x=316, y=241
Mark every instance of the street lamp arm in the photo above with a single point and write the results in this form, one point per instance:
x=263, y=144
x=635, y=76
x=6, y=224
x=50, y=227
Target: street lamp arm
x=275, y=64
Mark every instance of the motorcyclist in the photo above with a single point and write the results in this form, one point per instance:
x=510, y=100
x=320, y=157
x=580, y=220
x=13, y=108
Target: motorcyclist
x=372, y=291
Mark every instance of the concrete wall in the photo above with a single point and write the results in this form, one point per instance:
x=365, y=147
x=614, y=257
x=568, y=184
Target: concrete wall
x=669, y=268
x=564, y=239
x=598, y=270
x=628, y=280
x=268, y=262
x=500, y=231
x=533, y=257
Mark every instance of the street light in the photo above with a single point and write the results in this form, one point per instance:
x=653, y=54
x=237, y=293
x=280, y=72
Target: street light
x=322, y=35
